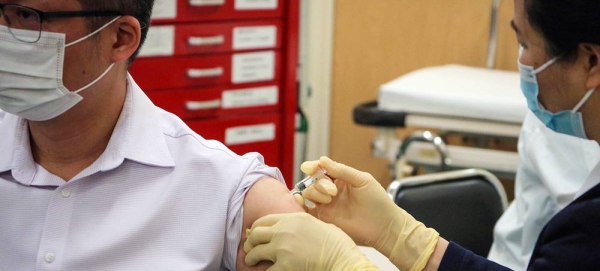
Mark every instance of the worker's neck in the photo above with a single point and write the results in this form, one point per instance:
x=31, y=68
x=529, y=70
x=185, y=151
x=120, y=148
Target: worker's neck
x=591, y=117
x=593, y=133
x=70, y=143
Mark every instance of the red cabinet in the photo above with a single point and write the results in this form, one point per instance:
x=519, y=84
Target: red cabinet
x=228, y=69
x=173, y=11
x=210, y=70
x=247, y=133
x=218, y=101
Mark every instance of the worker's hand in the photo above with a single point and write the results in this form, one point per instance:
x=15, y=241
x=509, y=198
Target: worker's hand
x=364, y=211
x=298, y=241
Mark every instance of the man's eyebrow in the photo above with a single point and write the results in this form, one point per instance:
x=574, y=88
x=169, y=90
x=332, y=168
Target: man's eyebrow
x=514, y=26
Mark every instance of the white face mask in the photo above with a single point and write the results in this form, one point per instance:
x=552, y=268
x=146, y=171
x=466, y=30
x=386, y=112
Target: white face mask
x=31, y=84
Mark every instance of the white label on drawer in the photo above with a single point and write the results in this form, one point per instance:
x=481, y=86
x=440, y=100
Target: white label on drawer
x=250, y=134
x=255, y=4
x=254, y=37
x=164, y=9
x=250, y=97
x=253, y=67
x=159, y=42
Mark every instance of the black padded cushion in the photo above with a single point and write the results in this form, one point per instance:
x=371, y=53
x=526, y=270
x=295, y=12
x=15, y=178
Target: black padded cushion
x=369, y=114
x=461, y=210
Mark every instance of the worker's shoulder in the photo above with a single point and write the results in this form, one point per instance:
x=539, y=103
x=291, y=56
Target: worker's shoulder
x=581, y=216
x=589, y=198
x=570, y=239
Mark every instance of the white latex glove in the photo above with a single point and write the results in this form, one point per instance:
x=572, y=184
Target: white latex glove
x=364, y=211
x=298, y=241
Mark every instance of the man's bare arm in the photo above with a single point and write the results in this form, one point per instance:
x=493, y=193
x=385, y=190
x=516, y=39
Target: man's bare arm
x=267, y=196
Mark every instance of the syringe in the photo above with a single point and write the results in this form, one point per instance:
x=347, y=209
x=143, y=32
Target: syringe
x=309, y=181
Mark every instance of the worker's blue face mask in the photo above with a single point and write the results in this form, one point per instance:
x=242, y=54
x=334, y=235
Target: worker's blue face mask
x=568, y=122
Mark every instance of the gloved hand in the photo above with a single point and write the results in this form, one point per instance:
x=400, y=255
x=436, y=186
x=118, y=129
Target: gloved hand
x=364, y=211
x=298, y=241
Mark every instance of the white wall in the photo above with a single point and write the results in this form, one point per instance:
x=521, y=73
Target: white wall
x=316, y=56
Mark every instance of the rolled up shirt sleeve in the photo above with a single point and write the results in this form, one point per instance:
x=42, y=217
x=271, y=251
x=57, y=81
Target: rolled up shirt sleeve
x=256, y=171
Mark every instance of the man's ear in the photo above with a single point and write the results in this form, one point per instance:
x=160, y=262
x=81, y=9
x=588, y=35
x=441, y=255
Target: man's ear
x=127, y=39
x=592, y=53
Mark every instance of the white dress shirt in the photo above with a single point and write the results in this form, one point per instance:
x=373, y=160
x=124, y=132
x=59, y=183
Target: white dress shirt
x=160, y=197
x=552, y=168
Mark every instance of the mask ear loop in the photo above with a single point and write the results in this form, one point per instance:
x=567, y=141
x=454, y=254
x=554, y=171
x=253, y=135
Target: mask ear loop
x=109, y=67
x=93, y=33
x=585, y=98
x=96, y=80
x=546, y=65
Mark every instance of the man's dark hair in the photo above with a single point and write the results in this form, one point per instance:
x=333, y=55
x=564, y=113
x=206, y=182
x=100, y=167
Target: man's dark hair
x=565, y=24
x=140, y=9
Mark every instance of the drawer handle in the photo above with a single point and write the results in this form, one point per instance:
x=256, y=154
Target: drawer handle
x=203, y=41
x=205, y=105
x=203, y=73
x=207, y=2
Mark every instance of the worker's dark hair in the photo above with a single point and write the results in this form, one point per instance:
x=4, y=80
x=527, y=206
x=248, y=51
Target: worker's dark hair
x=564, y=24
x=140, y=9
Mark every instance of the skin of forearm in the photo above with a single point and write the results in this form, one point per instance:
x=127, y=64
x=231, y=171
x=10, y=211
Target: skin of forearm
x=436, y=258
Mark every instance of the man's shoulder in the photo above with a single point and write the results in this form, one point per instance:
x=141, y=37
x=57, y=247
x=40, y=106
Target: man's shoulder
x=186, y=147
x=178, y=133
x=173, y=126
x=185, y=143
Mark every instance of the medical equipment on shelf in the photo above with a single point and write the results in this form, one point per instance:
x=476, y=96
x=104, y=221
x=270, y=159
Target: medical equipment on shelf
x=309, y=181
x=483, y=108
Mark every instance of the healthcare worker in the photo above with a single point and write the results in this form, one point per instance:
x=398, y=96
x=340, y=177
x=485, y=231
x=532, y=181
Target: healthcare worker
x=559, y=77
x=552, y=168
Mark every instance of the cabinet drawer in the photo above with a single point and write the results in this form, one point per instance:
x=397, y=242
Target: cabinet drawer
x=253, y=133
x=204, y=38
x=166, y=11
x=197, y=103
x=180, y=72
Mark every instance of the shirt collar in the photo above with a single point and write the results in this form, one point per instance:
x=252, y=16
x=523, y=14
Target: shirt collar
x=6, y=144
x=138, y=136
x=15, y=150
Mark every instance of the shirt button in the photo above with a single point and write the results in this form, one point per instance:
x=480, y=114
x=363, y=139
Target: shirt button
x=49, y=257
x=66, y=193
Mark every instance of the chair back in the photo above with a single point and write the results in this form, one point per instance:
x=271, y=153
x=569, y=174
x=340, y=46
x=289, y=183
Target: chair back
x=463, y=205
